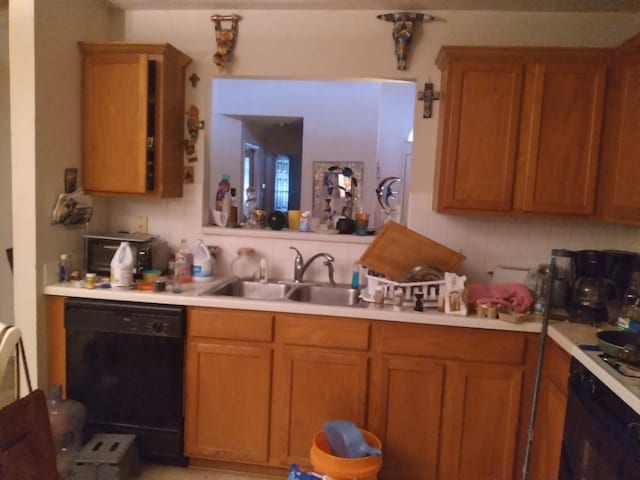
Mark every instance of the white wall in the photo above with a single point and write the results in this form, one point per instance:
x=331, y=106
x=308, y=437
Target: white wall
x=355, y=44
x=6, y=278
x=45, y=139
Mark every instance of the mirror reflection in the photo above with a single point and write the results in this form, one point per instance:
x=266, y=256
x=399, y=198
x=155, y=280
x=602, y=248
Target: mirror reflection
x=267, y=134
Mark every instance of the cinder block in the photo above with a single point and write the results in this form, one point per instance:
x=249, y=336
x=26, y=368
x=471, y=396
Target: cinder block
x=108, y=456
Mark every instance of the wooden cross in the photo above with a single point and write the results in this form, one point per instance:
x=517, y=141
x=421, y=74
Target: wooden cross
x=428, y=96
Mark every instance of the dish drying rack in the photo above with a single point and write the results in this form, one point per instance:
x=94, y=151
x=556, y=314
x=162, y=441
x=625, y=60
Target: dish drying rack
x=430, y=290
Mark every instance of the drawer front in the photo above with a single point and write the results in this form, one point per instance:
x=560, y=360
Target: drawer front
x=320, y=331
x=230, y=324
x=451, y=343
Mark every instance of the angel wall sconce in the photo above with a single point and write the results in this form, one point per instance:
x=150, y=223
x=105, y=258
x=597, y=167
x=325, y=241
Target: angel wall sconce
x=225, y=38
x=403, y=27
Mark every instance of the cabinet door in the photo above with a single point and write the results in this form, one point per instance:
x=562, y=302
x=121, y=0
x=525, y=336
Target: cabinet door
x=480, y=422
x=620, y=175
x=316, y=385
x=115, y=123
x=560, y=137
x=228, y=400
x=544, y=462
x=405, y=411
x=481, y=112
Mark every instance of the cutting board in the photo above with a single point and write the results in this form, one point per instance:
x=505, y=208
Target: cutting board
x=396, y=250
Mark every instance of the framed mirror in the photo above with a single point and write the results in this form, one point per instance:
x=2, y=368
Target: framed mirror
x=269, y=133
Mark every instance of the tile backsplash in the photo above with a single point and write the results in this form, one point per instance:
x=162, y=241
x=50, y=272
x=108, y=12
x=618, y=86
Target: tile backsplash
x=487, y=242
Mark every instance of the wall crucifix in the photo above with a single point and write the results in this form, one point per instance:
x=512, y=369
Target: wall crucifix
x=403, y=26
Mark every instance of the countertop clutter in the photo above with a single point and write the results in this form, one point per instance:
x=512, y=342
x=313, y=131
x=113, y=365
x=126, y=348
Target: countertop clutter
x=570, y=336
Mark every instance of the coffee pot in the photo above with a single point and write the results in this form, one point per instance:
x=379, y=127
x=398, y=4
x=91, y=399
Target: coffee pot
x=601, y=276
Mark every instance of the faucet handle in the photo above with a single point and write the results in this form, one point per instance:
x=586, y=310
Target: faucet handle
x=329, y=264
x=297, y=251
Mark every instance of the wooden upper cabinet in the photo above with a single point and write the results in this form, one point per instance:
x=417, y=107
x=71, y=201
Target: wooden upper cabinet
x=619, y=195
x=520, y=130
x=560, y=136
x=133, y=117
x=478, y=131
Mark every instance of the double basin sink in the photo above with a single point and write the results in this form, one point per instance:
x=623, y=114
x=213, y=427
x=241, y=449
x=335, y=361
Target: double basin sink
x=323, y=294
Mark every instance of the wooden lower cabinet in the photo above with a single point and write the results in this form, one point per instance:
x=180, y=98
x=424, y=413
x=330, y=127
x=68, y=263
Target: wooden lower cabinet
x=406, y=412
x=229, y=361
x=448, y=403
x=322, y=371
x=552, y=402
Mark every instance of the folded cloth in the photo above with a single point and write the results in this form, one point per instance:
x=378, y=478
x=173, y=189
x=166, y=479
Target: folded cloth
x=515, y=296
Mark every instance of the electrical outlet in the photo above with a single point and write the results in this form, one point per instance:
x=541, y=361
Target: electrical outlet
x=140, y=225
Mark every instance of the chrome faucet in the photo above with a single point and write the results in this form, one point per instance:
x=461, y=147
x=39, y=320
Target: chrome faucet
x=300, y=266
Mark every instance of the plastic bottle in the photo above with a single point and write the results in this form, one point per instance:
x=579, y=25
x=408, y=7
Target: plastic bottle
x=63, y=268
x=246, y=266
x=178, y=274
x=226, y=207
x=184, y=262
x=122, y=266
x=355, y=276
x=629, y=318
x=202, y=269
x=233, y=212
x=67, y=419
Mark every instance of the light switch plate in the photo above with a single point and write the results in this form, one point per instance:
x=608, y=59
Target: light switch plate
x=141, y=224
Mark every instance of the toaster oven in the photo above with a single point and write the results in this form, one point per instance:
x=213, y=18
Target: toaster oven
x=149, y=252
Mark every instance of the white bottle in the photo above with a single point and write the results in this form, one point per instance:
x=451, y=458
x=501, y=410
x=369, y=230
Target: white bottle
x=202, y=269
x=122, y=266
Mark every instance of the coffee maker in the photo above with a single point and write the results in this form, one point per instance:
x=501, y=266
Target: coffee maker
x=601, y=277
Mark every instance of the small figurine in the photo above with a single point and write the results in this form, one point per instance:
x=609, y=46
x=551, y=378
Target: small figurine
x=225, y=38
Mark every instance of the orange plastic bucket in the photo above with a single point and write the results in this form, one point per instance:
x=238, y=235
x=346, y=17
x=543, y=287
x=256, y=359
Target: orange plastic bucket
x=338, y=468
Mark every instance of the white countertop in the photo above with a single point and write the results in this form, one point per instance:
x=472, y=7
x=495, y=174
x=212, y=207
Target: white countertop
x=568, y=335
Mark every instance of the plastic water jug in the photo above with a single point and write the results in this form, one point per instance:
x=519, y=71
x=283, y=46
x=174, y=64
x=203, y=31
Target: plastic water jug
x=202, y=269
x=122, y=266
x=67, y=419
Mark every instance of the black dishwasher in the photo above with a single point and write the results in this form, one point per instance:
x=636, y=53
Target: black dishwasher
x=601, y=432
x=125, y=363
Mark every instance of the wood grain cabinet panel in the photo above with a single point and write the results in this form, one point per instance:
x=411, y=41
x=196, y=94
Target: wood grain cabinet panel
x=560, y=136
x=228, y=401
x=406, y=412
x=481, y=110
x=321, y=373
x=133, y=117
x=552, y=402
x=450, y=403
x=619, y=195
x=480, y=422
x=520, y=130
x=228, y=382
x=316, y=386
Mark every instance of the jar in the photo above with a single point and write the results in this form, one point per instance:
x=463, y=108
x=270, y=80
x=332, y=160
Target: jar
x=90, y=280
x=246, y=266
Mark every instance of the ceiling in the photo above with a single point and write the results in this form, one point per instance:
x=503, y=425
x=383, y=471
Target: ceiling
x=397, y=5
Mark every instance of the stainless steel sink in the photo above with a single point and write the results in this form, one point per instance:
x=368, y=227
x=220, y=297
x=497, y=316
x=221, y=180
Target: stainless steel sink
x=251, y=289
x=325, y=294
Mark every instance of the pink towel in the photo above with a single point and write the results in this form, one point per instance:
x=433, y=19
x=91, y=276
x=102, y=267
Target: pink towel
x=516, y=296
